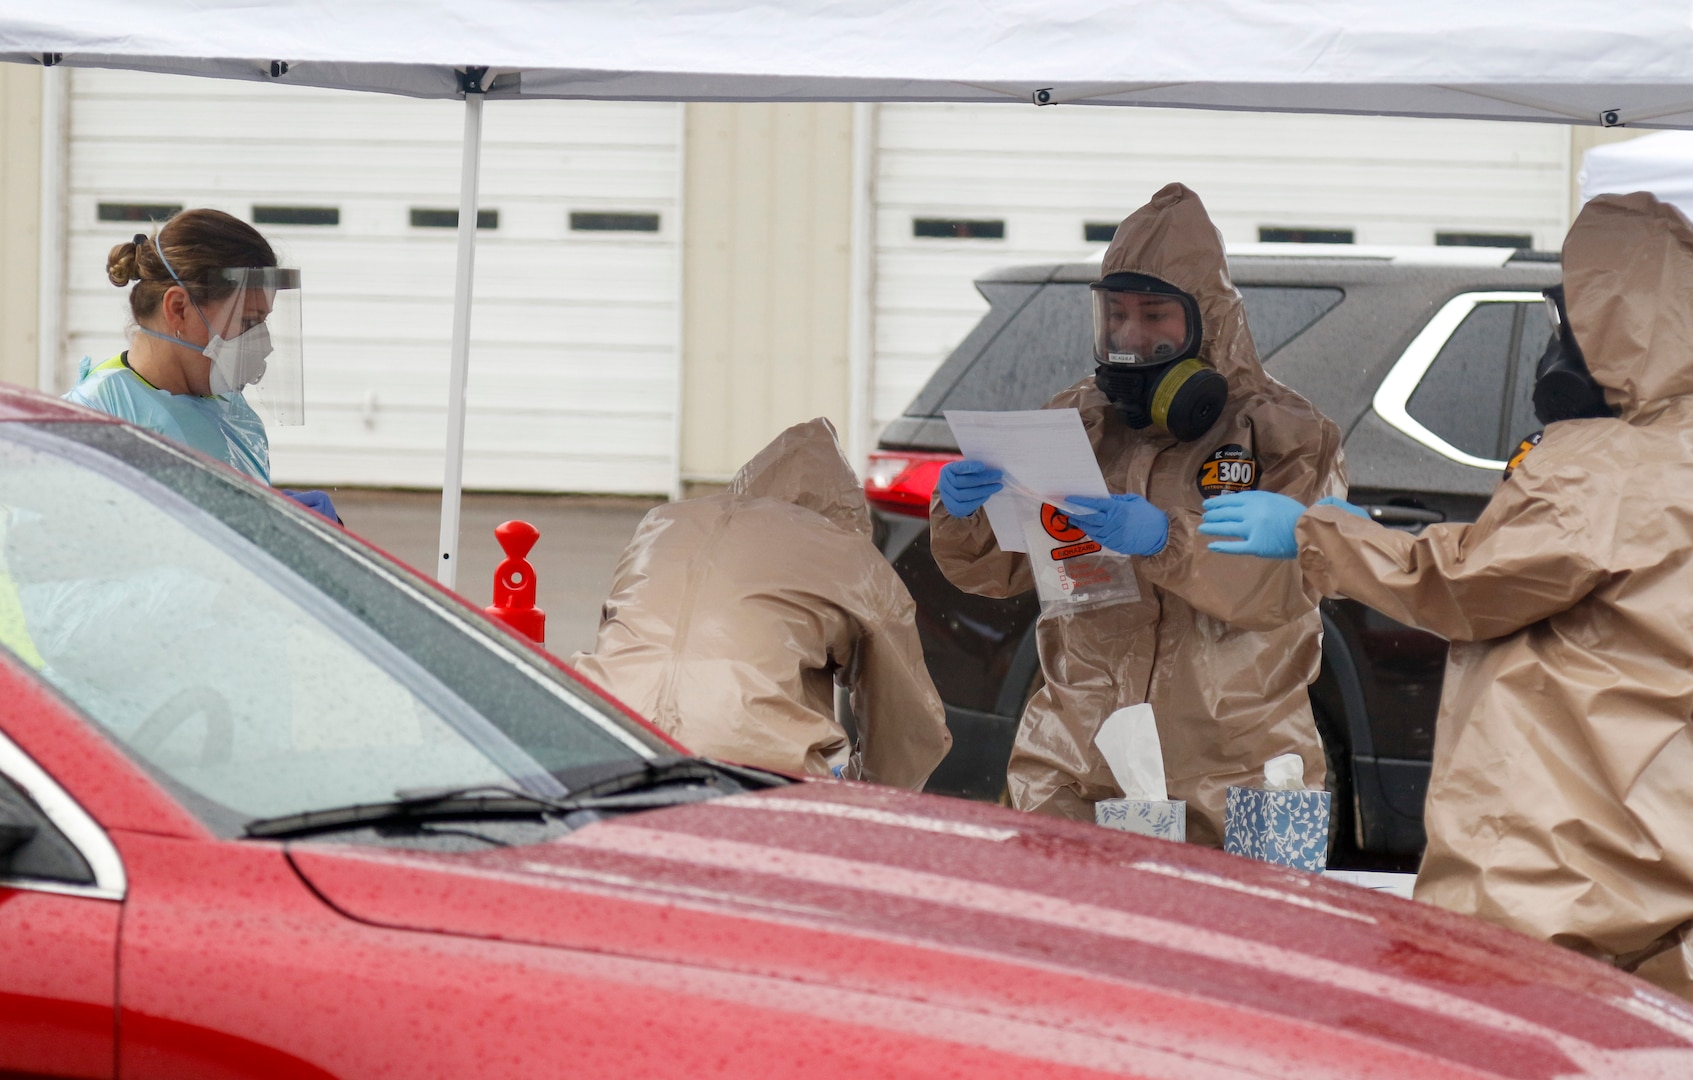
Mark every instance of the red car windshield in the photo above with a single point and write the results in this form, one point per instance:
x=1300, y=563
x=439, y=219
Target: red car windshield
x=256, y=659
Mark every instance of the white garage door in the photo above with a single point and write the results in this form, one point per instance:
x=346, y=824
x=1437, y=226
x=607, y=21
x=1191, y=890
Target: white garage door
x=1027, y=182
x=574, y=362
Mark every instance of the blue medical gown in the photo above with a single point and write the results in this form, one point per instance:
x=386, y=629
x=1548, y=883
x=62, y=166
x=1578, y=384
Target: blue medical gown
x=223, y=427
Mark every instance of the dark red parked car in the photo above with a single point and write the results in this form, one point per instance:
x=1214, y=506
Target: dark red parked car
x=273, y=805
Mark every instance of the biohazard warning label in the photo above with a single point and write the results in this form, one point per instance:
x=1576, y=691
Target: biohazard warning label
x=1522, y=451
x=1072, y=541
x=1229, y=468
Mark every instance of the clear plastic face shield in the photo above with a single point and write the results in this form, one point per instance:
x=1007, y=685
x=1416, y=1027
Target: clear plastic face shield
x=253, y=328
x=1140, y=328
x=255, y=344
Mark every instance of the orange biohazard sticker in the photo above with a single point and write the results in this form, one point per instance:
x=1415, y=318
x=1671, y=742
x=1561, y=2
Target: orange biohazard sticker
x=1057, y=525
x=1522, y=451
x=1230, y=468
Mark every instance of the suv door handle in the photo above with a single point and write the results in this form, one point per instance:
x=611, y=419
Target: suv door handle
x=1394, y=515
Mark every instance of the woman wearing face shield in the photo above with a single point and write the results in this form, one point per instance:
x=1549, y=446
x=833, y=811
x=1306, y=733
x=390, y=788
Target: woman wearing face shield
x=213, y=315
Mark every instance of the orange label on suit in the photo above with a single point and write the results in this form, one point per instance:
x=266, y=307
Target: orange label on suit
x=1522, y=451
x=1229, y=469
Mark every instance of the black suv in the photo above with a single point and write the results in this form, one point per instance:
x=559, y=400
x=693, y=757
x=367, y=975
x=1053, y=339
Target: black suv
x=1425, y=360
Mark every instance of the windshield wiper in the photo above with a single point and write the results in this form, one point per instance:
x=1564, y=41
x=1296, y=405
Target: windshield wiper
x=674, y=782
x=661, y=772
x=483, y=801
x=645, y=785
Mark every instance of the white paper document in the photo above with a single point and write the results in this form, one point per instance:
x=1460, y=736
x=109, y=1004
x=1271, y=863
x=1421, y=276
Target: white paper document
x=1044, y=454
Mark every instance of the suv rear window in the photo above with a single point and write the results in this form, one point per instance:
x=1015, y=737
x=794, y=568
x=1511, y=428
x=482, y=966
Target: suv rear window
x=1477, y=394
x=1048, y=345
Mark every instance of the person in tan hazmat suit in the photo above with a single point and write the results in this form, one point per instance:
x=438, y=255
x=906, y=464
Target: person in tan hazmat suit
x=730, y=616
x=1179, y=408
x=1561, y=798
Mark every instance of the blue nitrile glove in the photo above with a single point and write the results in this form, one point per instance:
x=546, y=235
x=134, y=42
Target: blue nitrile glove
x=1355, y=511
x=1263, y=520
x=966, y=485
x=1126, y=524
x=314, y=500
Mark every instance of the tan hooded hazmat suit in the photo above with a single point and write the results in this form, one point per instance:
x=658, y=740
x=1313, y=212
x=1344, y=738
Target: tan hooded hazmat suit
x=730, y=614
x=1222, y=648
x=1561, y=798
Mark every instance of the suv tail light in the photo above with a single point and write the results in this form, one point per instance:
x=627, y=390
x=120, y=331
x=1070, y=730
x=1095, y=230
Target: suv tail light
x=904, y=481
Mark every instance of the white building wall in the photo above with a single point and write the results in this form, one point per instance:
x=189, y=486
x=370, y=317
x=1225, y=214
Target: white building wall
x=574, y=362
x=1047, y=171
x=20, y=220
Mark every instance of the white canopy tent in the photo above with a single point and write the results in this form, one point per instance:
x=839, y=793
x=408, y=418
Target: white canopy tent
x=1556, y=61
x=1661, y=163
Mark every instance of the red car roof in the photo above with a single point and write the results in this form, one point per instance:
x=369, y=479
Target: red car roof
x=22, y=403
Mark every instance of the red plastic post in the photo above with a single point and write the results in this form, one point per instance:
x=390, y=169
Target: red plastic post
x=514, y=582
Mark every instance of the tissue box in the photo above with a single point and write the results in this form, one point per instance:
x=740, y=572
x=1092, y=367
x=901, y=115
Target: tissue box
x=1165, y=819
x=1286, y=827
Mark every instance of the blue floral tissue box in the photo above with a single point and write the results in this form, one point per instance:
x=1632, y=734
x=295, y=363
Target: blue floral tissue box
x=1165, y=819
x=1286, y=827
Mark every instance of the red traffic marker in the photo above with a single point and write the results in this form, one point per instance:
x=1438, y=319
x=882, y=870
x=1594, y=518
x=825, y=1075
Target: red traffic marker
x=514, y=582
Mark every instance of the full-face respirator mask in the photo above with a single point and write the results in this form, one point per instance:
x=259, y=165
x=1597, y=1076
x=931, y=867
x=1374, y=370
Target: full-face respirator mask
x=1146, y=336
x=1563, y=387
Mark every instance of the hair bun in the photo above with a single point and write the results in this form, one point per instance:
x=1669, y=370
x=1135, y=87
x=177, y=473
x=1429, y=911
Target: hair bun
x=123, y=264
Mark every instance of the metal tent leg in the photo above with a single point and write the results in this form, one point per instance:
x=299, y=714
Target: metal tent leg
x=452, y=485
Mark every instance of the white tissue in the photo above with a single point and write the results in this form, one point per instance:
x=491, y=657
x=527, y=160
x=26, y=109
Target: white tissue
x=1129, y=741
x=1284, y=773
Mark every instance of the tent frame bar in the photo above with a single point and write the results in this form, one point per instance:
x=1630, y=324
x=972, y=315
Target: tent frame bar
x=458, y=374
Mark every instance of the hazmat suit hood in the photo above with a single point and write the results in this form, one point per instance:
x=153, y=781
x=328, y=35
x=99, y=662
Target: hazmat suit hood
x=1172, y=239
x=1628, y=271
x=804, y=466
x=733, y=619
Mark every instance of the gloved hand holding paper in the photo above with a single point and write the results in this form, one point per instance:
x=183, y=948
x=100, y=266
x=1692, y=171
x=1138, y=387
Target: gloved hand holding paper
x=1044, y=454
x=1129, y=742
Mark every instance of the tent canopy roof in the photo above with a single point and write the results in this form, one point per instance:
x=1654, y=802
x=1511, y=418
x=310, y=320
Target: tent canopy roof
x=1549, y=60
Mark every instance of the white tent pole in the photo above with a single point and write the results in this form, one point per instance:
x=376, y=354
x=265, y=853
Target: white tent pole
x=861, y=331
x=50, y=335
x=452, y=486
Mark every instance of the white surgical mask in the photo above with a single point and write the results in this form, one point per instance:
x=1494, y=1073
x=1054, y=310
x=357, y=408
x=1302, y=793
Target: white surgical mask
x=238, y=361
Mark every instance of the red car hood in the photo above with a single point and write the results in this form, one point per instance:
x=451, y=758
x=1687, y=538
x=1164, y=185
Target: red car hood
x=1048, y=938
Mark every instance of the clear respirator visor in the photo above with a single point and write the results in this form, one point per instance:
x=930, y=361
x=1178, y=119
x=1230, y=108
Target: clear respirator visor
x=256, y=312
x=1143, y=327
